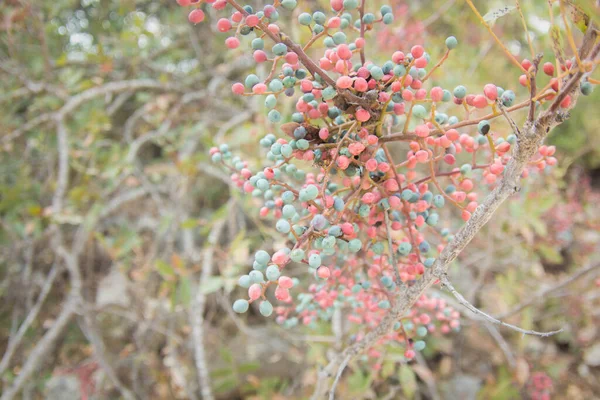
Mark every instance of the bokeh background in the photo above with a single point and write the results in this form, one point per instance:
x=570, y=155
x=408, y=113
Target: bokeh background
x=157, y=232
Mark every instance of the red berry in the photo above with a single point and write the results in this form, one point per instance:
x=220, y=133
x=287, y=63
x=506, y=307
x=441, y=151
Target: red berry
x=184, y=3
x=548, y=69
x=196, y=16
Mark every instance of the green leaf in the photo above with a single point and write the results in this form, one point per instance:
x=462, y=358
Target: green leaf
x=496, y=13
x=165, y=270
x=184, y=291
x=408, y=381
x=211, y=285
x=248, y=367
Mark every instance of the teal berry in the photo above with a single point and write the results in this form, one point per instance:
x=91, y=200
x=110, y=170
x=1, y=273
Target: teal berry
x=404, y=248
x=368, y=18
x=251, y=80
x=289, y=4
x=241, y=306
x=350, y=4
x=258, y=44
x=297, y=255
x=302, y=144
x=384, y=10
x=279, y=49
x=283, y=226
x=388, y=19
x=355, y=245
x=329, y=242
x=432, y=220
x=256, y=277
x=508, y=98
x=272, y=273
x=304, y=19
x=286, y=150
x=376, y=72
x=428, y=262
x=339, y=38
x=265, y=308
x=419, y=111
x=422, y=331
x=275, y=85
x=465, y=169
x=319, y=17
x=314, y=260
x=270, y=101
x=217, y=157
x=311, y=192
x=484, y=127
x=419, y=345
x=274, y=116
x=451, y=42
x=244, y=281
x=384, y=304
x=288, y=196
x=586, y=88
x=288, y=211
x=460, y=92
x=262, y=257
x=377, y=248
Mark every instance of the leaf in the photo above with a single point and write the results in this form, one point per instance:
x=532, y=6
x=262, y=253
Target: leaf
x=408, y=381
x=496, y=13
x=211, y=285
x=184, y=291
x=248, y=367
x=165, y=270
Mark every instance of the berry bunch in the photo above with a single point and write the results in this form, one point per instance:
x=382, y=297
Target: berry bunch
x=365, y=225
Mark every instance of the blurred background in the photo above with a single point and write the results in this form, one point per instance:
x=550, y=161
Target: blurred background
x=107, y=111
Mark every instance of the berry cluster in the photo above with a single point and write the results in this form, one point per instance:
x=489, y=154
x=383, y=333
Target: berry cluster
x=365, y=225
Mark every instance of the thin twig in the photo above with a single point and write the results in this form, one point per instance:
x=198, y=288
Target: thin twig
x=197, y=312
x=338, y=376
x=446, y=282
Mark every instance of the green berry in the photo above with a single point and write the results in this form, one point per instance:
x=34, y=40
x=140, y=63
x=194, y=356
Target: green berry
x=240, y=306
x=304, y=19
x=265, y=308
x=451, y=42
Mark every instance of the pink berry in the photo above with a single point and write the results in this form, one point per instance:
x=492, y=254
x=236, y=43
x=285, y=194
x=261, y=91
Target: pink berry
x=362, y=115
x=196, y=16
x=237, y=88
x=417, y=51
x=548, y=69
x=232, y=42
x=223, y=25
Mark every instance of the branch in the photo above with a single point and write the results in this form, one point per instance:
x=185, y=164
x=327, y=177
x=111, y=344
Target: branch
x=338, y=376
x=38, y=355
x=526, y=147
x=197, y=313
x=15, y=341
x=486, y=317
x=543, y=293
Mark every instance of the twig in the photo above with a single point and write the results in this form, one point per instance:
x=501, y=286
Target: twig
x=38, y=355
x=502, y=344
x=446, y=282
x=543, y=293
x=197, y=312
x=15, y=340
x=338, y=376
x=391, y=249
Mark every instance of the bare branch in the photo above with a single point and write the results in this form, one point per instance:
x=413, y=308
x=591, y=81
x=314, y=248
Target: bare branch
x=15, y=340
x=543, y=293
x=486, y=317
x=197, y=312
x=338, y=376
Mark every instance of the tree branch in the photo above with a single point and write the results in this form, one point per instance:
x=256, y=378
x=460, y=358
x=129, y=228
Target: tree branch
x=486, y=317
